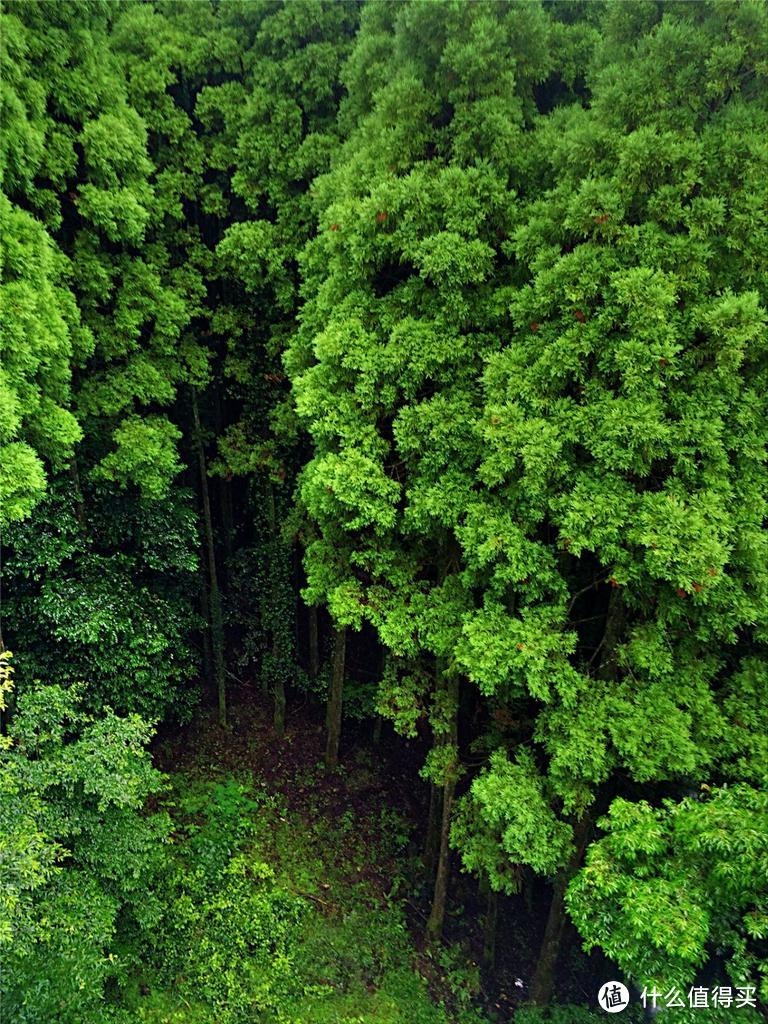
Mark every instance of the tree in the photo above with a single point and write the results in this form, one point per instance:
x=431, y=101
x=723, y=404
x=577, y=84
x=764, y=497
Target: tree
x=270, y=130
x=668, y=886
x=402, y=289
x=41, y=337
x=83, y=856
x=623, y=479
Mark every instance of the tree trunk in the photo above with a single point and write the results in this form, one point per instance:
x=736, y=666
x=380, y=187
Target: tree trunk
x=278, y=714
x=205, y=612
x=543, y=982
x=542, y=985
x=335, y=700
x=544, y=977
x=225, y=497
x=432, y=841
x=378, y=722
x=437, y=913
x=314, y=642
x=278, y=683
x=614, y=627
x=217, y=620
x=74, y=475
x=489, y=928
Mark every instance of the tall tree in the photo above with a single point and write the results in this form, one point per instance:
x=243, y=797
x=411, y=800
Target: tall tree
x=624, y=481
x=407, y=285
x=270, y=129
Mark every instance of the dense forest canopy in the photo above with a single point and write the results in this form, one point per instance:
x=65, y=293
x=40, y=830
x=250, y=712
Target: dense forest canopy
x=383, y=410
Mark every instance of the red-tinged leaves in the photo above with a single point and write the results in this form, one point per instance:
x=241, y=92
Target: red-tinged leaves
x=334, y=227
x=579, y=315
x=381, y=216
x=681, y=593
x=534, y=326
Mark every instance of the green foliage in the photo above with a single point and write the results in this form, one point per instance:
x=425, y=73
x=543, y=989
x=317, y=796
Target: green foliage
x=507, y=820
x=77, y=124
x=260, y=920
x=531, y=361
x=667, y=886
x=474, y=298
x=41, y=336
x=116, y=614
x=145, y=455
x=82, y=859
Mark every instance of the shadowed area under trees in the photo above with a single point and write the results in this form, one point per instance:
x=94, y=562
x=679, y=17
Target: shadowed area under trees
x=383, y=506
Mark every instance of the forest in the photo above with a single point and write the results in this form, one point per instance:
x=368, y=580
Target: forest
x=384, y=507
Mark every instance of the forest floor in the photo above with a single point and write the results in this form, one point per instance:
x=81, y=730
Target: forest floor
x=336, y=840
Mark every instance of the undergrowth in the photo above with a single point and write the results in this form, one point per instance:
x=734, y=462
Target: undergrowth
x=270, y=918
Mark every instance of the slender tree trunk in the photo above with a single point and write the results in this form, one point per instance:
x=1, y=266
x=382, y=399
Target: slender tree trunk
x=439, y=899
x=335, y=699
x=378, y=722
x=432, y=841
x=543, y=982
x=225, y=497
x=205, y=612
x=544, y=977
x=542, y=985
x=614, y=628
x=217, y=619
x=278, y=684
x=278, y=713
x=435, y=815
x=489, y=928
x=314, y=642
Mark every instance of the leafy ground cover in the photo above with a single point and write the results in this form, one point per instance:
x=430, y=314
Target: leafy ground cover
x=286, y=895
x=271, y=848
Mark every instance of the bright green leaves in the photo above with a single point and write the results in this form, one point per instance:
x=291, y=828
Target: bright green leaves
x=506, y=820
x=117, y=196
x=40, y=337
x=744, y=748
x=397, y=299
x=666, y=885
x=98, y=118
x=22, y=481
x=145, y=455
x=450, y=261
x=251, y=252
x=350, y=488
x=73, y=787
x=526, y=653
x=114, y=145
x=442, y=765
